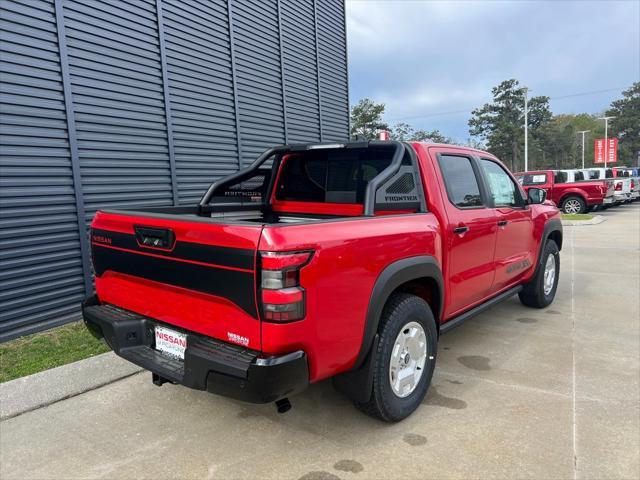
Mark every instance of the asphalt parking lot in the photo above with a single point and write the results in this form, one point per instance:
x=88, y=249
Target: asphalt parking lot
x=517, y=393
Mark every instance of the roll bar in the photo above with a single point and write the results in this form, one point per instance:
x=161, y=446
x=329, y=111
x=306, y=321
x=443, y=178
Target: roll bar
x=372, y=187
x=383, y=176
x=240, y=174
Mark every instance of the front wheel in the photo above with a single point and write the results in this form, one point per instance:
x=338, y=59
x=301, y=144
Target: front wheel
x=540, y=291
x=404, y=360
x=574, y=205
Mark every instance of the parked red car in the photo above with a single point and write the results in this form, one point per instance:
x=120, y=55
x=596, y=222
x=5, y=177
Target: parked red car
x=571, y=197
x=338, y=260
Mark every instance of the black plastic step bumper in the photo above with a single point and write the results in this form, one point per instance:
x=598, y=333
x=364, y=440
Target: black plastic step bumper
x=209, y=364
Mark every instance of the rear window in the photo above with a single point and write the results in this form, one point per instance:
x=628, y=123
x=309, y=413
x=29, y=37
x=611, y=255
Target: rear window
x=532, y=179
x=336, y=175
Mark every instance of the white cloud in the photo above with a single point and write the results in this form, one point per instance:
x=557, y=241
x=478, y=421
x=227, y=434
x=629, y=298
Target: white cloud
x=423, y=57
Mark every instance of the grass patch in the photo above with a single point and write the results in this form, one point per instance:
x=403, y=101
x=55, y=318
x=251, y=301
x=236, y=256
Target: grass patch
x=44, y=350
x=577, y=216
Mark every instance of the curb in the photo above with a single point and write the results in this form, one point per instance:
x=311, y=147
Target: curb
x=35, y=391
x=575, y=223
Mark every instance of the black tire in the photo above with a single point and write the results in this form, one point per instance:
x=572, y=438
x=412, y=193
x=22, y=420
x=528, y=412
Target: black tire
x=573, y=203
x=533, y=295
x=400, y=310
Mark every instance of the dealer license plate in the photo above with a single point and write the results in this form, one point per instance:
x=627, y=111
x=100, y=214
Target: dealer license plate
x=170, y=342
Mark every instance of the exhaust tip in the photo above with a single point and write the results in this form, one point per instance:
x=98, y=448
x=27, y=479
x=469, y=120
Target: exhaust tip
x=283, y=406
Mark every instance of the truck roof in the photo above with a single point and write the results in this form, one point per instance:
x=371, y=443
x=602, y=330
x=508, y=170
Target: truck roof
x=449, y=145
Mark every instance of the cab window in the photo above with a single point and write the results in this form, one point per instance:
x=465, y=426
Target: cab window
x=528, y=179
x=560, y=177
x=460, y=181
x=502, y=188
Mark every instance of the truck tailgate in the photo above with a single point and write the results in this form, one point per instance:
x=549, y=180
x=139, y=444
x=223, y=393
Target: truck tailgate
x=186, y=272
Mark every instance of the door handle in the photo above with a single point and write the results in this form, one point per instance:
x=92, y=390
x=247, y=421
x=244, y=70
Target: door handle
x=502, y=223
x=460, y=230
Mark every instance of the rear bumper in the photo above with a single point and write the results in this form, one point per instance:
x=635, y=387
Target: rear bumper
x=209, y=364
x=607, y=200
x=622, y=197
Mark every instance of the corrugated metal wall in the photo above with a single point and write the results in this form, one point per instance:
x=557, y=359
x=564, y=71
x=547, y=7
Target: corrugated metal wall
x=116, y=103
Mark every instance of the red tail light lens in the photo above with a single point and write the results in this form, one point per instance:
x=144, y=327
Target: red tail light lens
x=283, y=299
x=618, y=186
x=633, y=184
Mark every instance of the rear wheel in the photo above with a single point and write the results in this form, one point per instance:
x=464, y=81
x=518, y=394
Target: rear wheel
x=573, y=205
x=405, y=358
x=540, y=291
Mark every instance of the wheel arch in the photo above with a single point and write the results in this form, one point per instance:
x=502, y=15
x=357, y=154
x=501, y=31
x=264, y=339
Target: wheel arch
x=573, y=193
x=552, y=231
x=420, y=275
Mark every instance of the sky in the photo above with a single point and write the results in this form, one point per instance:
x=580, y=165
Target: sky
x=432, y=62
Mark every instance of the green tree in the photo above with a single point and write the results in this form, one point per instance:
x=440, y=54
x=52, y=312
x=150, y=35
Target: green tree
x=402, y=132
x=406, y=133
x=500, y=123
x=366, y=118
x=558, y=144
x=433, y=136
x=475, y=143
x=626, y=125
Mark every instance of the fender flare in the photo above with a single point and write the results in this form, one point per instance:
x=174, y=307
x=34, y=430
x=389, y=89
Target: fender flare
x=390, y=278
x=552, y=225
x=357, y=383
x=573, y=193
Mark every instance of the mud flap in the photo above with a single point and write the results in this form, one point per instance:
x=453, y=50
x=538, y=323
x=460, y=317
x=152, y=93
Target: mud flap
x=358, y=384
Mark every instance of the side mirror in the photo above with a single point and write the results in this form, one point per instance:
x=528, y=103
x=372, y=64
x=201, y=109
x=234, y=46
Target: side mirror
x=536, y=196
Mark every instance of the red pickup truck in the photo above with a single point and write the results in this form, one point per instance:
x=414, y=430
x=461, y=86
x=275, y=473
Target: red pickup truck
x=321, y=260
x=570, y=194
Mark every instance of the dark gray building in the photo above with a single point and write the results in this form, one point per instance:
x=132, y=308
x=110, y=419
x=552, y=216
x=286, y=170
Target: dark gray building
x=110, y=103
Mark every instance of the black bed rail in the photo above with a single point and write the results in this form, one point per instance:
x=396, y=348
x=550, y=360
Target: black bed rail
x=370, y=194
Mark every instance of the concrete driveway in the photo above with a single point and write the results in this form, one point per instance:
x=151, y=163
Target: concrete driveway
x=517, y=393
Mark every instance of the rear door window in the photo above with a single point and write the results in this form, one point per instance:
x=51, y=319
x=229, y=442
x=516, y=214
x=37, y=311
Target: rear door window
x=560, y=177
x=460, y=181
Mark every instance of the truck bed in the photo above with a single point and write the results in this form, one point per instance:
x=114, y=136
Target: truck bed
x=239, y=217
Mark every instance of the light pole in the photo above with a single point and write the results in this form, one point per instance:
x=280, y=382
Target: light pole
x=583, y=132
x=606, y=139
x=526, y=130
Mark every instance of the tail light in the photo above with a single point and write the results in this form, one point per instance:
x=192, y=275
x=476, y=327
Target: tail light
x=618, y=186
x=633, y=184
x=283, y=298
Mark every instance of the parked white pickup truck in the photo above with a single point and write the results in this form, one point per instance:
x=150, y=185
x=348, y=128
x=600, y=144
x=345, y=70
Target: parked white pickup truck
x=633, y=175
x=621, y=185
